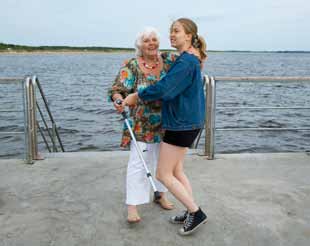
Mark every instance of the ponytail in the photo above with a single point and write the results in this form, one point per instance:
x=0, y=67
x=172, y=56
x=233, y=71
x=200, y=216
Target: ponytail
x=199, y=43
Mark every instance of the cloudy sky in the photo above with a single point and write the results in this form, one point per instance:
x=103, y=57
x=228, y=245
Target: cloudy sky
x=225, y=24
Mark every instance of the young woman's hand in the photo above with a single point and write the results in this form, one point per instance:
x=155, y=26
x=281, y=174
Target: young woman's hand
x=131, y=99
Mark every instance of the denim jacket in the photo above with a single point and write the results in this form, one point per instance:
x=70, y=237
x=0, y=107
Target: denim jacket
x=181, y=91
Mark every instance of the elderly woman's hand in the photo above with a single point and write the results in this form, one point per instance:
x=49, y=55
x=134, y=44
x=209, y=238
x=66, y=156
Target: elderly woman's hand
x=119, y=107
x=131, y=99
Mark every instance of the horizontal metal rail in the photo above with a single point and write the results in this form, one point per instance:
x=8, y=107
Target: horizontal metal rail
x=11, y=80
x=262, y=107
x=11, y=133
x=262, y=129
x=11, y=111
x=262, y=79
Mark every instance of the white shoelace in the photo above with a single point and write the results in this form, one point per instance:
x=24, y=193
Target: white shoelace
x=189, y=220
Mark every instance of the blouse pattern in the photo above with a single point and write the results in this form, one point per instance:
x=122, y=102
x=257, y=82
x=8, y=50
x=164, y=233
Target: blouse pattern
x=145, y=117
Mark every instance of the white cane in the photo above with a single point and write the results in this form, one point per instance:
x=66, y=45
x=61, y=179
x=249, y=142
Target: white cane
x=148, y=173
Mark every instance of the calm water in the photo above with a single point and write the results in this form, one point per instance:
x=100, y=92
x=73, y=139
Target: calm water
x=76, y=85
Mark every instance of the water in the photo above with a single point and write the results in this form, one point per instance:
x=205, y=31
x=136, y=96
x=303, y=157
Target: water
x=76, y=85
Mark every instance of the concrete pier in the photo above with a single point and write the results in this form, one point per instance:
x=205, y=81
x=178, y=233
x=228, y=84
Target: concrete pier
x=78, y=199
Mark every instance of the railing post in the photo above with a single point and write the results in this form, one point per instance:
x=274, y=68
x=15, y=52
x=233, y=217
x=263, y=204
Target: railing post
x=31, y=126
x=210, y=114
x=26, y=104
x=34, y=119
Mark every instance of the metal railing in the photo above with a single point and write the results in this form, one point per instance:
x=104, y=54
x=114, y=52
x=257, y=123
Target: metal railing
x=31, y=124
x=210, y=126
x=24, y=83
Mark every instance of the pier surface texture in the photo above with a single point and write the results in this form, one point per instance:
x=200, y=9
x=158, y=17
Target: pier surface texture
x=78, y=199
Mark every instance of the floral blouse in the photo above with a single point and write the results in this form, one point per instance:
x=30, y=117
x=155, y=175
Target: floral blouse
x=145, y=118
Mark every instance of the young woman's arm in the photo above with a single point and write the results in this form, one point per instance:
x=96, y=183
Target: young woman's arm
x=176, y=80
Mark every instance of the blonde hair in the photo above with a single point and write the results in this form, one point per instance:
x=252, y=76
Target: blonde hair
x=147, y=32
x=198, y=41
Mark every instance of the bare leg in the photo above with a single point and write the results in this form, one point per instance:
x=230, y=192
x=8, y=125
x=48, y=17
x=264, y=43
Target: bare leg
x=133, y=216
x=178, y=172
x=169, y=158
x=152, y=156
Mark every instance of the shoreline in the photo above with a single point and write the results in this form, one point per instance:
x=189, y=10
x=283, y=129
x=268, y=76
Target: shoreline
x=72, y=52
x=60, y=52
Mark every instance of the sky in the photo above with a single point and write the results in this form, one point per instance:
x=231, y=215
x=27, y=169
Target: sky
x=225, y=24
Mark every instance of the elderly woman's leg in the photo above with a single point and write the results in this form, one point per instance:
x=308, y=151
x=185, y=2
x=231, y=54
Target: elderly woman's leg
x=137, y=185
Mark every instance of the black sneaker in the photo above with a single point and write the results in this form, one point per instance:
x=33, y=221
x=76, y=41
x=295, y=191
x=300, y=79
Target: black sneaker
x=193, y=222
x=179, y=219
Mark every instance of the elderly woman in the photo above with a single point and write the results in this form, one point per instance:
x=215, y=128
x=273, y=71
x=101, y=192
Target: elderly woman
x=145, y=69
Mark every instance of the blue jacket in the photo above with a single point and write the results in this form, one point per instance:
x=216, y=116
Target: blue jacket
x=181, y=91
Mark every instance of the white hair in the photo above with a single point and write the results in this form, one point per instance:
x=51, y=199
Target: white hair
x=147, y=32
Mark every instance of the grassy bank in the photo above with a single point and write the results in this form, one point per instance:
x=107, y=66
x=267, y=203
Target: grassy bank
x=8, y=48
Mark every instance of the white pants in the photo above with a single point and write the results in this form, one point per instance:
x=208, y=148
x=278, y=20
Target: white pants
x=138, y=185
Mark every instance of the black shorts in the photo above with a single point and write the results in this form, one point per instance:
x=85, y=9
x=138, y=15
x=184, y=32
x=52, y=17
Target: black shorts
x=181, y=138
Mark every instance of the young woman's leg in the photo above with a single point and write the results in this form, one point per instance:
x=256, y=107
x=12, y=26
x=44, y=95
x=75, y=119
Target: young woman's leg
x=152, y=161
x=169, y=158
x=178, y=172
x=180, y=175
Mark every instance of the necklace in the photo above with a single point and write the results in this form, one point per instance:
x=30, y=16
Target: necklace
x=147, y=66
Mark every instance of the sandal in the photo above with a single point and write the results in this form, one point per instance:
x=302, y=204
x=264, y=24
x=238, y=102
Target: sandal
x=164, y=203
x=133, y=217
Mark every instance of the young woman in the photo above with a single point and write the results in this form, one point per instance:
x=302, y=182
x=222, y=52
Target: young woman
x=183, y=115
x=145, y=69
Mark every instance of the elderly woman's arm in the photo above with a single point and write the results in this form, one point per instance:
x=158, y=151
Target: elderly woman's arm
x=122, y=86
